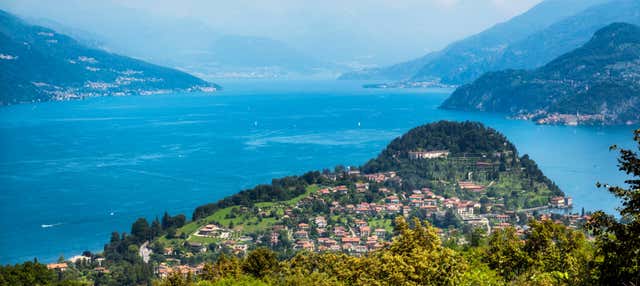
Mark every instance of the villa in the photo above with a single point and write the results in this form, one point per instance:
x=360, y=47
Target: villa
x=416, y=155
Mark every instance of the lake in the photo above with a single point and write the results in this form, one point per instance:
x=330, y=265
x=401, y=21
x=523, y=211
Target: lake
x=72, y=172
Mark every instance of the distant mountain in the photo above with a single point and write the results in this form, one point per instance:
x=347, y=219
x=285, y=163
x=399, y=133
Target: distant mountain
x=598, y=83
x=39, y=64
x=401, y=71
x=567, y=35
x=530, y=40
x=249, y=57
x=233, y=50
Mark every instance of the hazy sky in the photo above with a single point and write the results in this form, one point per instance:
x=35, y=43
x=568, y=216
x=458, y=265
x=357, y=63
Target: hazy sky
x=385, y=31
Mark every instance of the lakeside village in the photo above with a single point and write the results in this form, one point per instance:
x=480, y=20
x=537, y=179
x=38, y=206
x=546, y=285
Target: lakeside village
x=351, y=212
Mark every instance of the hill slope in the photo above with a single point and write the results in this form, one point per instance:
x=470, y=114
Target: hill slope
x=475, y=153
x=567, y=35
x=38, y=64
x=599, y=81
x=526, y=41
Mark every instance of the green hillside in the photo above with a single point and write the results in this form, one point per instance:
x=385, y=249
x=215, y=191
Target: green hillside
x=598, y=83
x=39, y=64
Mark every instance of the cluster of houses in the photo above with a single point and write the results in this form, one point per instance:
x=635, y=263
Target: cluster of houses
x=381, y=177
x=172, y=265
x=97, y=263
x=358, y=228
x=355, y=238
x=354, y=235
x=561, y=202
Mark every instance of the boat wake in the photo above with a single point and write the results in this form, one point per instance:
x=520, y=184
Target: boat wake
x=50, y=225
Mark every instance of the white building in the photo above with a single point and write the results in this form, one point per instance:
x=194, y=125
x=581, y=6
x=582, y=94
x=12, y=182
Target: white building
x=415, y=155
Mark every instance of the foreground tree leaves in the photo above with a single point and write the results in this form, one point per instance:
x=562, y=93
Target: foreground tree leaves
x=618, y=241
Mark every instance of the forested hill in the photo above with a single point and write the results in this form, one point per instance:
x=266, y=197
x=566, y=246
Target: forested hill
x=475, y=152
x=598, y=83
x=458, y=138
x=39, y=64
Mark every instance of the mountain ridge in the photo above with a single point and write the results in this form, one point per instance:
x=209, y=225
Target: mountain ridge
x=598, y=83
x=465, y=60
x=39, y=64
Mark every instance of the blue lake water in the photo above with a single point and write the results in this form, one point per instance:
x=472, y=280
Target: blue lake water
x=72, y=172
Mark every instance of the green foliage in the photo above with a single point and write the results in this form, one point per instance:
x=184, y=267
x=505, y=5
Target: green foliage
x=479, y=273
x=279, y=190
x=416, y=257
x=244, y=280
x=224, y=267
x=554, y=248
x=457, y=137
x=28, y=273
x=125, y=265
x=548, y=250
x=505, y=253
x=260, y=263
x=36, y=274
x=141, y=230
x=618, y=242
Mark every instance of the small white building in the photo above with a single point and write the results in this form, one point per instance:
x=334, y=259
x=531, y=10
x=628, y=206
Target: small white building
x=416, y=155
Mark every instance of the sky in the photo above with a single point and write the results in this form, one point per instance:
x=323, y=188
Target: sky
x=377, y=32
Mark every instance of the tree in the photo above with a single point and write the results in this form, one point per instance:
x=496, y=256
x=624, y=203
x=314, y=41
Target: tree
x=28, y=273
x=523, y=218
x=618, y=241
x=450, y=219
x=505, y=253
x=416, y=257
x=179, y=220
x=166, y=221
x=476, y=237
x=171, y=233
x=174, y=279
x=562, y=253
x=156, y=228
x=260, y=263
x=115, y=237
x=140, y=229
x=227, y=267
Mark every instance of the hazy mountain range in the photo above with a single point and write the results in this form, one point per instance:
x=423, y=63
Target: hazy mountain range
x=530, y=40
x=194, y=47
x=598, y=83
x=249, y=56
x=39, y=64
